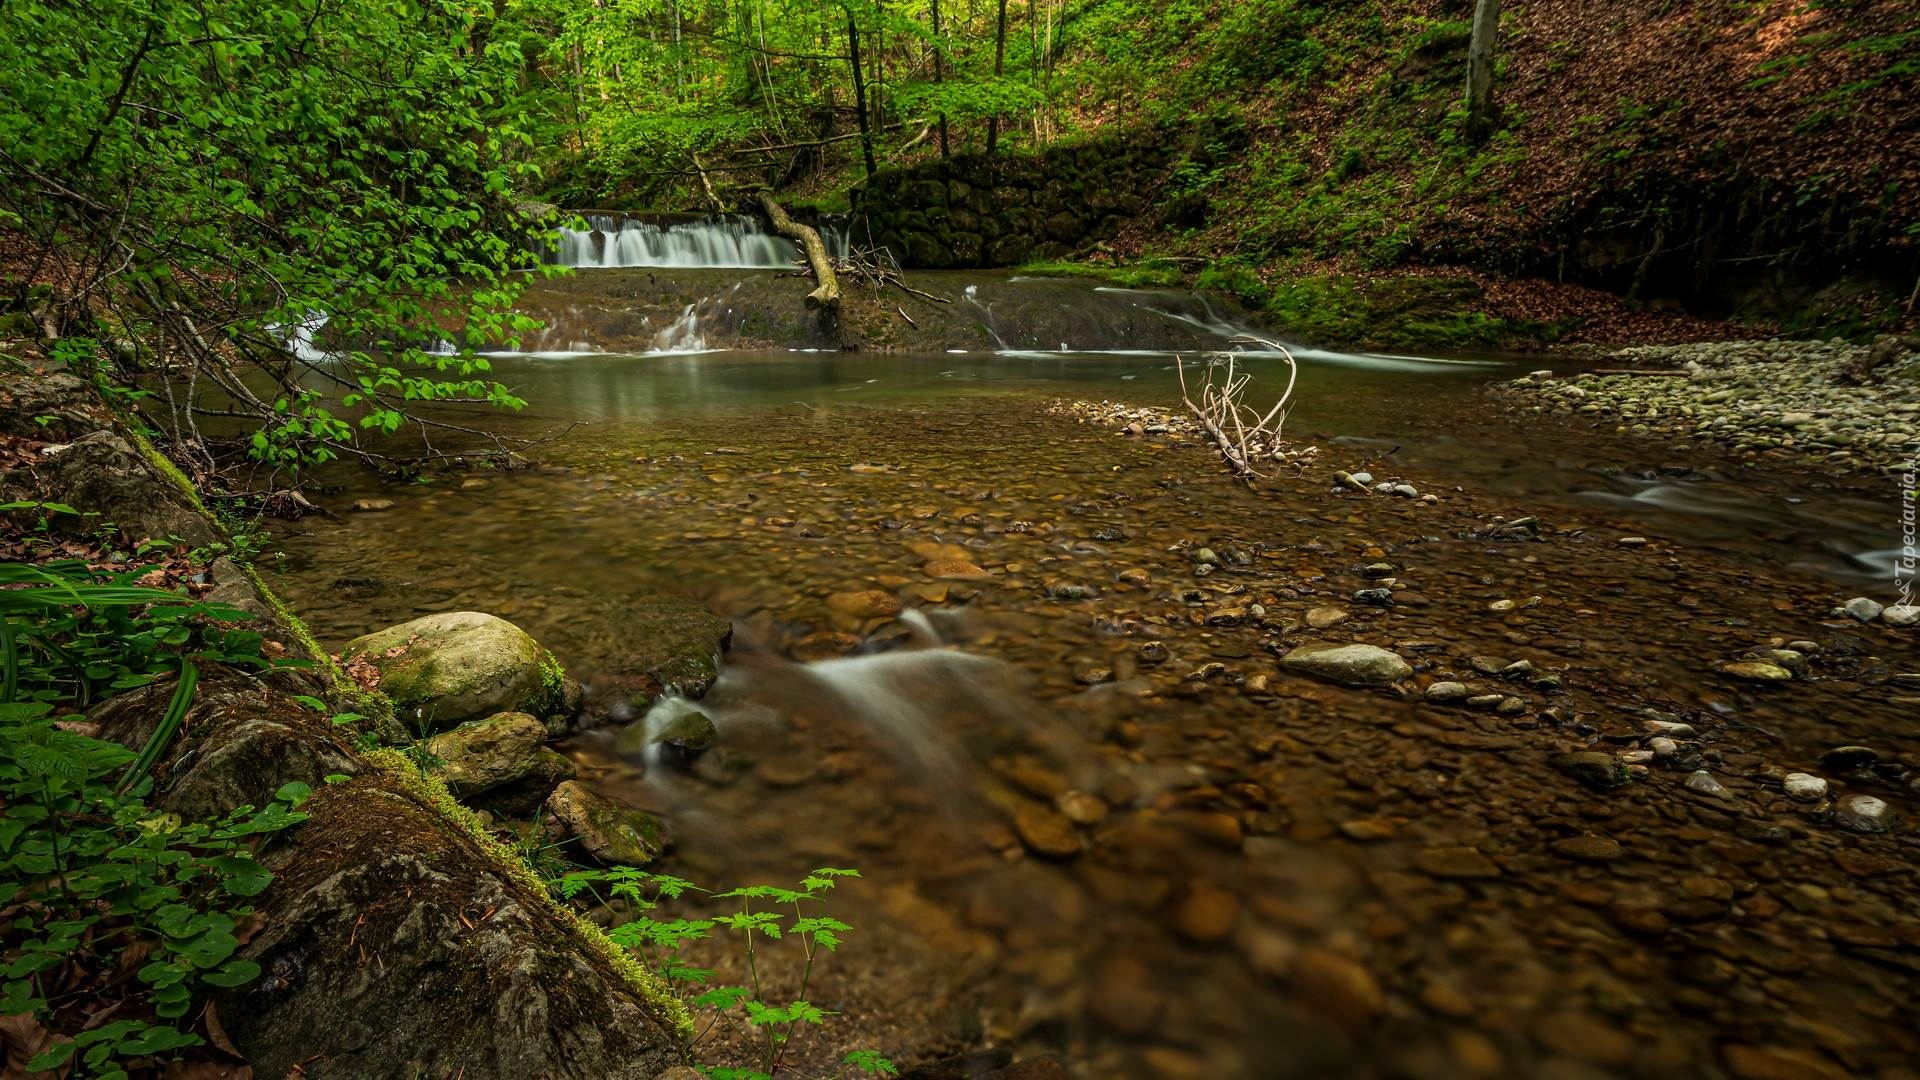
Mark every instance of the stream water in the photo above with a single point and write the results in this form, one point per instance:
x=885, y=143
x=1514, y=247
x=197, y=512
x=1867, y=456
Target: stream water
x=1092, y=815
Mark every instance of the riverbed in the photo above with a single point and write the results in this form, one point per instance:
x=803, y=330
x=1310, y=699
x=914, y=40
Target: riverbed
x=1093, y=814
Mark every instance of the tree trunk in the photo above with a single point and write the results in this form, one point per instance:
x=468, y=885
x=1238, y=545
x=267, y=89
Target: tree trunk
x=938, y=76
x=999, y=69
x=1486, y=29
x=859, y=89
x=826, y=298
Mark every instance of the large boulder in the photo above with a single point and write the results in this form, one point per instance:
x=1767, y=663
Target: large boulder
x=239, y=742
x=111, y=483
x=502, y=749
x=398, y=943
x=606, y=828
x=1348, y=665
x=445, y=669
x=663, y=646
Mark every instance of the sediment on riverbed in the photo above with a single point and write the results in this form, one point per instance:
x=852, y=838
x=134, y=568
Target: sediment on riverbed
x=1830, y=404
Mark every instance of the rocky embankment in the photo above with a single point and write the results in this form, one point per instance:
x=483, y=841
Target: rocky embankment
x=1831, y=404
x=401, y=935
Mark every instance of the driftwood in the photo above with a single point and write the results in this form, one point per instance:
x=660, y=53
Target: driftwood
x=1243, y=435
x=826, y=296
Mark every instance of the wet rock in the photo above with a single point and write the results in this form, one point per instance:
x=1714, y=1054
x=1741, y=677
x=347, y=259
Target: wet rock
x=1639, y=919
x=1081, y=808
x=1703, y=782
x=1122, y=997
x=1863, y=814
x=1340, y=989
x=493, y=752
x=1324, y=616
x=102, y=474
x=1780, y=1063
x=1599, y=771
x=674, y=722
x=514, y=990
x=1367, y=831
x=1457, y=863
x=866, y=604
x=823, y=645
x=1583, y=1037
x=1756, y=671
x=664, y=645
x=1588, y=848
x=1044, y=832
x=1485, y=701
x=1349, y=665
x=607, y=829
x=1848, y=758
x=1445, y=693
x=1206, y=914
x=1804, y=787
x=1663, y=747
x=372, y=506
x=1152, y=652
x=1374, y=597
x=1901, y=615
x=460, y=665
x=1863, y=609
x=1673, y=729
x=955, y=570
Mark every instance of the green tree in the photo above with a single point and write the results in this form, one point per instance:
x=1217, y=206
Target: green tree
x=290, y=206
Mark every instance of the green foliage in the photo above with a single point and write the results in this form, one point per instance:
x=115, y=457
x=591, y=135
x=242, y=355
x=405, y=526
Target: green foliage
x=766, y=914
x=71, y=634
x=1145, y=274
x=96, y=875
x=232, y=171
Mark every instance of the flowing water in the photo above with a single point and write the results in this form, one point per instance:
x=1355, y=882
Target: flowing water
x=1270, y=876
x=733, y=240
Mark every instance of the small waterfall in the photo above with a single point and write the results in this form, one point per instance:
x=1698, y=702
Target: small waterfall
x=735, y=241
x=298, y=338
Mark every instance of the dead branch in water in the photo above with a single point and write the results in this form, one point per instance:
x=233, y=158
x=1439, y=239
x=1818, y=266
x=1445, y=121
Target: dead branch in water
x=827, y=295
x=1243, y=435
x=876, y=268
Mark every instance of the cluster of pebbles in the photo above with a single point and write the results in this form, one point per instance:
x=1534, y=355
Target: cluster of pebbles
x=1826, y=402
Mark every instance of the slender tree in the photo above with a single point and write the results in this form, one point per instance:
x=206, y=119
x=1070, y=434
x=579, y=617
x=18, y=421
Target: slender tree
x=1486, y=29
x=999, y=69
x=859, y=88
x=939, y=47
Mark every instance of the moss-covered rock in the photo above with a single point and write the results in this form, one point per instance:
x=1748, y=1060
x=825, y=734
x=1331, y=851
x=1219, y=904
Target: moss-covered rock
x=662, y=646
x=607, y=829
x=397, y=944
x=240, y=741
x=494, y=752
x=457, y=666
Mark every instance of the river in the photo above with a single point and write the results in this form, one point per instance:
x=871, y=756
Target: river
x=1262, y=875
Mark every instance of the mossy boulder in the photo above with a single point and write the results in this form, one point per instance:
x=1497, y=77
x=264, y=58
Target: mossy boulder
x=667, y=645
x=674, y=722
x=397, y=943
x=457, y=666
x=239, y=742
x=607, y=829
x=495, y=752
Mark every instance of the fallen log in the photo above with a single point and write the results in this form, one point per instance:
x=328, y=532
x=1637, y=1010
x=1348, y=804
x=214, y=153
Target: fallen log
x=826, y=296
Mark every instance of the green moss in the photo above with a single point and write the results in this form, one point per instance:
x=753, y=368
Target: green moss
x=670, y=1011
x=1146, y=274
x=165, y=467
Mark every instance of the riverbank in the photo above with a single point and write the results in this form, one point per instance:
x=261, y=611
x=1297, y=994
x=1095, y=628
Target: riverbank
x=1824, y=404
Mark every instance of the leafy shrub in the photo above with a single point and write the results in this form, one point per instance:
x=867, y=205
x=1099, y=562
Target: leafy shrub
x=660, y=943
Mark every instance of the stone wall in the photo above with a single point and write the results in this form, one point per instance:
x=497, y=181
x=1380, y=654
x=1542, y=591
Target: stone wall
x=975, y=210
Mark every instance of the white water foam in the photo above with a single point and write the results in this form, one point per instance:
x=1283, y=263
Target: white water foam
x=735, y=241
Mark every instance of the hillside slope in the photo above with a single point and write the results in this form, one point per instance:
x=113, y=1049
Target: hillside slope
x=1754, y=159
